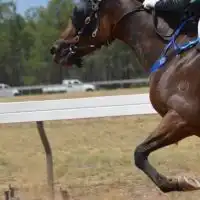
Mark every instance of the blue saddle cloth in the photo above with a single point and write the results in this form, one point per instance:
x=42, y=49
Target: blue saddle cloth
x=177, y=47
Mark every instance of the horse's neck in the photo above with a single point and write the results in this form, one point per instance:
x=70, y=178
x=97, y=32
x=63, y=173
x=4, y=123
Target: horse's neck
x=138, y=32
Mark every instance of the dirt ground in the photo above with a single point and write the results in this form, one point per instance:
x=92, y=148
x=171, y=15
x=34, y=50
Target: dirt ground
x=93, y=159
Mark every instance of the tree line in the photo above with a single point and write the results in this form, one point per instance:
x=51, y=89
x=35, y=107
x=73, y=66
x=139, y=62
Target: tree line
x=25, y=49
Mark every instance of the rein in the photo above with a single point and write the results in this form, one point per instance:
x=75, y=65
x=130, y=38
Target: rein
x=155, y=22
x=71, y=50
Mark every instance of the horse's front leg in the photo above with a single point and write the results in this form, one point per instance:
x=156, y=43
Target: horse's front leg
x=171, y=130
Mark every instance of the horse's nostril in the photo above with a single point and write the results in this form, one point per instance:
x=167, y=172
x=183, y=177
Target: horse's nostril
x=53, y=50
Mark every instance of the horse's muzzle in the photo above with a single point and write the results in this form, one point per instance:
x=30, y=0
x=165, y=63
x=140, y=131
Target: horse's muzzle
x=59, y=51
x=64, y=54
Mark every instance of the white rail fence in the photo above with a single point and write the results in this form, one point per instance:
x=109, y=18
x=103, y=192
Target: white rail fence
x=92, y=107
x=55, y=88
x=138, y=81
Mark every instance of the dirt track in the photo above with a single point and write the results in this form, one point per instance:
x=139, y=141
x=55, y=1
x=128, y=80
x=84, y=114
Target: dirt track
x=93, y=159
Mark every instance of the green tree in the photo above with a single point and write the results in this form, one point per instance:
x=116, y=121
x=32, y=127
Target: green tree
x=26, y=41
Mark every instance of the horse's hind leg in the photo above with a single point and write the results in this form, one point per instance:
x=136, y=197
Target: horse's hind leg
x=171, y=130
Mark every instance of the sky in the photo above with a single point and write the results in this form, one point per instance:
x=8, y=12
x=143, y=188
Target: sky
x=23, y=5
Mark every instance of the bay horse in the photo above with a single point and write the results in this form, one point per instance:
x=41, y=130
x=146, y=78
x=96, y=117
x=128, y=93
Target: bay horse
x=174, y=88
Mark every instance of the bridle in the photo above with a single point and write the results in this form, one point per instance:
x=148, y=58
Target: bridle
x=71, y=50
x=95, y=5
x=95, y=8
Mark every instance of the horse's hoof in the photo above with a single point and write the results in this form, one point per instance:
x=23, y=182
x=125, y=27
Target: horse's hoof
x=188, y=184
x=179, y=184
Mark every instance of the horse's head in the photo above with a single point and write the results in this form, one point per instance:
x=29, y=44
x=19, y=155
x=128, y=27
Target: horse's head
x=92, y=25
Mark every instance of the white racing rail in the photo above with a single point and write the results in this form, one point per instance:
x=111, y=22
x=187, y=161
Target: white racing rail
x=92, y=107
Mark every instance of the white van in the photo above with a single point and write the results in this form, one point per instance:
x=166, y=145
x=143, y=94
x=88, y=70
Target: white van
x=71, y=85
x=76, y=85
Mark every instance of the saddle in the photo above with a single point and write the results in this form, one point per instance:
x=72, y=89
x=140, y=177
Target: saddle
x=169, y=14
x=180, y=21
